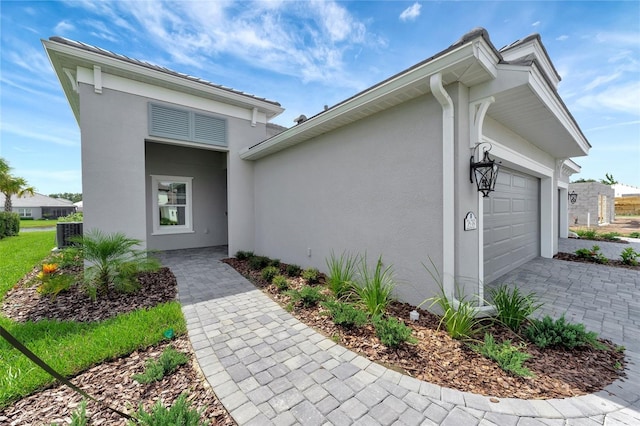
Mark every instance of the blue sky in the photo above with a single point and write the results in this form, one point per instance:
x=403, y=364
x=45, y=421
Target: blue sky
x=309, y=54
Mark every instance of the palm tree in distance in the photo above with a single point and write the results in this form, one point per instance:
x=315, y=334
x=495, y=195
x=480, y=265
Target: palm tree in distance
x=12, y=185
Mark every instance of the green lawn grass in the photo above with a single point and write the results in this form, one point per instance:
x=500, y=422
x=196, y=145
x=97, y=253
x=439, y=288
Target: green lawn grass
x=20, y=254
x=40, y=223
x=69, y=347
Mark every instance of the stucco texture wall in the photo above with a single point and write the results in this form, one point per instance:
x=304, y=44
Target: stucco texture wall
x=595, y=204
x=371, y=187
x=209, y=172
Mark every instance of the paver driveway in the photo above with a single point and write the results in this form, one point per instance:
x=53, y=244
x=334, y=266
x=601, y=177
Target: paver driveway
x=268, y=368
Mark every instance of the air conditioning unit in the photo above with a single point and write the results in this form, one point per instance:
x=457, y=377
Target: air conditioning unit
x=65, y=231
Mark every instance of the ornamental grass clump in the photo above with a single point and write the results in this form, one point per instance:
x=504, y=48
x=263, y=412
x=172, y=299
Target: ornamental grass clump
x=374, y=288
x=508, y=356
x=513, y=307
x=342, y=270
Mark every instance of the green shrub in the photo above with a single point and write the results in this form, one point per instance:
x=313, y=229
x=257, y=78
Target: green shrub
x=374, y=289
x=634, y=234
x=281, y=282
x=589, y=234
x=294, y=270
x=168, y=362
x=55, y=284
x=593, y=254
x=549, y=333
x=274, y=263
x=257, y=263
x=180, y=414
x=341, y=272
x=508, y=356
x=69, y=257
x=73, y=217
x=629, y=256
x=610, y=236
x=268, y=273
x=346, y=315
x=311, y=275
x=392, y=332
x=113, y=260
x=9, y=224
x=309, y=296
x=513, y=308
x=244, y=255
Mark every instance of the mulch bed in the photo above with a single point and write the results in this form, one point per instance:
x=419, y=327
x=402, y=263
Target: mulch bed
x=610, y=262
x=110, y=381
x=439, y=359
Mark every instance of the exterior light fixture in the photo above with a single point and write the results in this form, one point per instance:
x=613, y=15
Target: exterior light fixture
x=573, y=197
x=485, y=171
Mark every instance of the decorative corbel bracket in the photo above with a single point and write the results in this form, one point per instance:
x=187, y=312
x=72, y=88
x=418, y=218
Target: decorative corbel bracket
x=477, y=111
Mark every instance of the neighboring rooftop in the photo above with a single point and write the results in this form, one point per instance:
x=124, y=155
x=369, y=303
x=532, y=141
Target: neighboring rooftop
x=36, y=200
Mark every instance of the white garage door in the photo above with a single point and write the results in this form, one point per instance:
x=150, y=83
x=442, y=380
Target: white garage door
x=511, y=223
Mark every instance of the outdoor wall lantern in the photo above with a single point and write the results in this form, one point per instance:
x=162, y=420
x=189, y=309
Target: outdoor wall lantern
x=485, y=170
x=573, y=197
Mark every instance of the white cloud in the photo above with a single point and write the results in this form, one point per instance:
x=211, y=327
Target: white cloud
x=622, y=98
x=411, y=13
x=536, y=24
x=46, y=135
x=602, y=79
x=63, y=27
x=563, y=37
x=614, y=125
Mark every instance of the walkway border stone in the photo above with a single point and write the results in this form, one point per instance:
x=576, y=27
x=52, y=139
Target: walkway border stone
x=266, y=367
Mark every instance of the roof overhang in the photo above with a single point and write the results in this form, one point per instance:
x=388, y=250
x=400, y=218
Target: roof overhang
x=526, y=103
x=471, y=63
x=66, y=59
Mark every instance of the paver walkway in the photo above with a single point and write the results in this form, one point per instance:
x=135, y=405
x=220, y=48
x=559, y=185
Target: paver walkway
x=268, y=368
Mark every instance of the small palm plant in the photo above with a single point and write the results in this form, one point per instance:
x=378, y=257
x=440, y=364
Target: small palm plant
x=114, y=261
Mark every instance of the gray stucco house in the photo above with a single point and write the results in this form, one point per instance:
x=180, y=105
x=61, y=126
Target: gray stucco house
x=39, y=206
x=386, y=171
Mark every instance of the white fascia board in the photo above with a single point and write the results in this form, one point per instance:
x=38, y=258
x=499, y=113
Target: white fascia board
x=361, y=101
x=517, y=160
x=134, y=87
x=271, y=110
x=551, y=100
x=572, y=166
x=534, y=47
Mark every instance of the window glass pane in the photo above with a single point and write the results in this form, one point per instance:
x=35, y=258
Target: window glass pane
x=179, y=191
x=172, y=215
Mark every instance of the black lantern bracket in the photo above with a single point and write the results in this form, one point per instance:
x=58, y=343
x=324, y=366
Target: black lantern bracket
x=484, y=171
x=573, y=197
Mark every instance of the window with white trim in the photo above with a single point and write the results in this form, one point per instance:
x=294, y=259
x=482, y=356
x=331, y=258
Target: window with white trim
x=172, y=204
x=24, y=212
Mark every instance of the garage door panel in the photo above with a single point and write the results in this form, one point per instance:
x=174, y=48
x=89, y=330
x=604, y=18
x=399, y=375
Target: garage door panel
x=511, y=223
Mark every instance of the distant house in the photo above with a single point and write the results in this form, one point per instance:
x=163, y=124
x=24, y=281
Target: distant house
x=179, y=162
x=594, y=205
x=622, y=190
x=38, y=206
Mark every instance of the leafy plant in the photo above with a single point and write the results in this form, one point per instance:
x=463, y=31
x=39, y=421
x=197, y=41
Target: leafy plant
x=512, y=306
x=257, y=263
x=589, y=233
x=341, y=272
x=392, y=332
x=79, y=416
x=244, y=255
x=374, y=288
x=281, y=282
x=73, y=217
x=593, y=254
x=268, y=273
x=55, y=284
x=548, y=333
x=610, y=236
x=169, y=361
x=345, y=314
x=293, y=270
x=311, y=275
x=180, y=414
x=629, y=256
x=275, y=263
x=507, y=355
x=634, y=234
x=69, y=257
x=113, y=260
x=309, y=296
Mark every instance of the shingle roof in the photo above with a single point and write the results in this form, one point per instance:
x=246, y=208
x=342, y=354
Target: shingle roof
x=36, y=200
x=113, y=55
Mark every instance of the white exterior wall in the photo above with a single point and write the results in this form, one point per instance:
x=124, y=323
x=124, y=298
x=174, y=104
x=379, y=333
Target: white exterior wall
x=373, y=186
x=113, y=128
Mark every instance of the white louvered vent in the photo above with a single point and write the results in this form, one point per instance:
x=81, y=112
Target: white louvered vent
x=174, y=123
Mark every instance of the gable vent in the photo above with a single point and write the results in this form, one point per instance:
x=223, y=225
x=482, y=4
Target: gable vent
x=174, y=123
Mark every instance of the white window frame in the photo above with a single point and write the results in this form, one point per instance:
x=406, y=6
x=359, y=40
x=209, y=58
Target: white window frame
x=172, y=229
x=25, y=212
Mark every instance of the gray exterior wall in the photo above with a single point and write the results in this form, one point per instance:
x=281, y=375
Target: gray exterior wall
x=114, y=127
x=371, y=187
x=36, y=212
x=587, y=209
x=209, y=187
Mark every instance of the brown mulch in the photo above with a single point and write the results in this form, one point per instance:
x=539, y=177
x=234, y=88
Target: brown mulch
x=610, y=262
x=439, y=359
x=110, y=381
